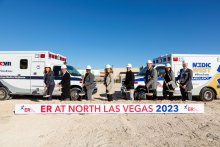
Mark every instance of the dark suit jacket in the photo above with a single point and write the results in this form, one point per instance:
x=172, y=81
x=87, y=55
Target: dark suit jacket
x=65, y=82
x=129, y=80
x=89, y=81
x=187, y=76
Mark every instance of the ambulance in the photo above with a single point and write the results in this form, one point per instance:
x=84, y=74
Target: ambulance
x=21, y=73
x=206, y=75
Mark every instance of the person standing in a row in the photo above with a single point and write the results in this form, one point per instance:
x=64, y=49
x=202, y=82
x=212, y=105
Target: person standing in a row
x=185, y=80
x=151, y=79
x=169, y=81
x=109, y=82
x=49, y=82
x=65, y=84
x=129, y=82
x=89, y=82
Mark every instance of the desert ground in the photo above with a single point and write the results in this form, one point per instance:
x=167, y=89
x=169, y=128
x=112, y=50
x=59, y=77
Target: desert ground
x=108, y=130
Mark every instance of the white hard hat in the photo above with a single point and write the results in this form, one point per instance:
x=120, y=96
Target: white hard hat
x=149, y=62
x=48, y=65
x=63, y=67
x=168, y=65
x=108, y=66
x=88, y=67
x=184, y=62
x=129, y=66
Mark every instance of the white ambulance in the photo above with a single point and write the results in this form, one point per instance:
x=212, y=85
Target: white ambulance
x=206, y=74
x=21, y=73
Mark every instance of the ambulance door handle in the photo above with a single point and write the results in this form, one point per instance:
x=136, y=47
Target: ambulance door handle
x=35, y=73
x=19, y=75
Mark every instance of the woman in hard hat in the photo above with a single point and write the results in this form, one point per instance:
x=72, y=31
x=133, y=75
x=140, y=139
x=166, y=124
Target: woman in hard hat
x=109, y=82
x=49, y=82
x=169, y=82
x=89, y=83
x=129, y=82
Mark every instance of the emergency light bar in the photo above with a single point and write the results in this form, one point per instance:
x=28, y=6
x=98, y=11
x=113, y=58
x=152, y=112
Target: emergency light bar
x=39, y=55
x=58, y=57
x=164, y=59
x=175, y=59
x=42, y=55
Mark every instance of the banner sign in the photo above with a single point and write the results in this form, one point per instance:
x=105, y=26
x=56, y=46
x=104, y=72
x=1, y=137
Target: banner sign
x=107, y=108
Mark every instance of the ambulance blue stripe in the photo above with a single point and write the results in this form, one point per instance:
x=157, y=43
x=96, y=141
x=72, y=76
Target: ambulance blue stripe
x=36, y=78
x=218, y=81
x=160, y=79
x=142, y=79
x=218, y=69
x=201, y=78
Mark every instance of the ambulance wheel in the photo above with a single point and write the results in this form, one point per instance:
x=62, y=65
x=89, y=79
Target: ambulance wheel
x=74, y=93
x=136, y=96
x=3, y=94
x=207, y=94
x=140, y=95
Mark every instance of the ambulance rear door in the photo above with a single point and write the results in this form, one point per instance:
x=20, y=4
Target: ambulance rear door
x=37, y=73
x=20, y=82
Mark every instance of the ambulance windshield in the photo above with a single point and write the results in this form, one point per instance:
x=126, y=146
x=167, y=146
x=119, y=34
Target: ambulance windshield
x=142, y=72
x=160, y=70
x=73, y=71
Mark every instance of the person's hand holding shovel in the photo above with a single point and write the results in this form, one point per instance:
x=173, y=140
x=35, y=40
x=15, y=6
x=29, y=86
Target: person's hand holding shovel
x=184, y=86
x=59, y=87
x=147, y=86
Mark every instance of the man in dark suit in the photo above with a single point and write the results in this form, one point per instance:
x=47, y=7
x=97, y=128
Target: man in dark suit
x=65, y=84
x=129, y=82
x=185, y=80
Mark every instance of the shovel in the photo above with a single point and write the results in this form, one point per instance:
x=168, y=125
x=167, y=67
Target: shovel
x=181, y=86
x=82, y=93
x=167, y=86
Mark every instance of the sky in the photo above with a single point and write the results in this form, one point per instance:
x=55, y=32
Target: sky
x=116, y=32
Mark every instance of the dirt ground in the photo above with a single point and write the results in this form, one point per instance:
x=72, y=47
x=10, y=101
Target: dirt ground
x=96, y=130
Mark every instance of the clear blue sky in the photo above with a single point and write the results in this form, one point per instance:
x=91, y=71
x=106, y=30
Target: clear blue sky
x=117, y=32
